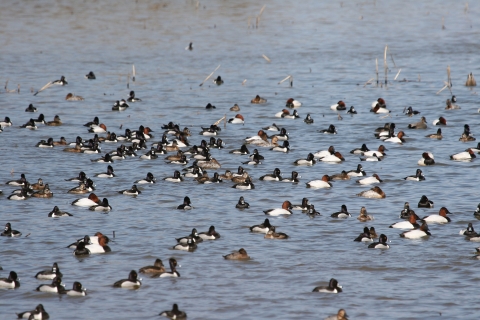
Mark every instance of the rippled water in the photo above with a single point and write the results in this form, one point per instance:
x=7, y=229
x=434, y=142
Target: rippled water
x=330, y=49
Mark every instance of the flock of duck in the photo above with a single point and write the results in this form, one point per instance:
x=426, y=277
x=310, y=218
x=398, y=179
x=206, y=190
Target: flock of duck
x=193, y=161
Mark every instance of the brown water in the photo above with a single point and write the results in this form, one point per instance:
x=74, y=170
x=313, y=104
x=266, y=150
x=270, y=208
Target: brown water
x=330, y=49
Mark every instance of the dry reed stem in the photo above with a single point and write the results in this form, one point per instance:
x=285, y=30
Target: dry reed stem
x=211, y=74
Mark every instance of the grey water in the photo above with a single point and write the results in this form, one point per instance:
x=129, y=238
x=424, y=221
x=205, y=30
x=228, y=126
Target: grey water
x=329, y=47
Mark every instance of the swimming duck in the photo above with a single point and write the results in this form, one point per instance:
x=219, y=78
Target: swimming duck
x=157, y=268
x=370, y=180
x=410, y=112
x=440, y=122
x=352, y=110
x=292, y=103
x=56, y=212
x=237, y=119
x=38, y=313
x=175, y=313
x=190, y=246
x=396, y=138
x=341, y=315
x=271, y=234
x=242, y=151
x=133, y=191
x=441, y=217
x=45, y=193
x=293, y=178
x=358, y=172
x=11, y=282
x=363, y=216
x=332, y=287
x=131, y=283
x=275, y=176
x=308, y=119
x=303, y=206
x=102, y=206
x=31, y=108
x=343, y=213
x=91, y=200
x=55, y=287
x=109, y=174
x=470, y=81
x=341, y=176
x=273, y=127
x=381, y=244
x=149, y=179
x=331, y=130
x=211, y=234
x=20, y=182
x=335, y=157
x=90, y=76
x=73, y=97
x=173, y=273
x=339, y=106
x=374, y=193
x=235, y=108
x=425, y=203
x=309, y=161
x=426, y=160
x=258, y=100
x=237, y=255
x=364, y=236
x=76, y=291
x=261, y=228
x=416, y=233
x=132, y=98
x=311, y=212
x=242, y=204
x=469, y=232
x=422, y=124
x=437, y=135
x=247, y=185
x=361, y=150
x=30, y=125
x=286, y=209
x=186, y=205
x=466, y=155
x=417, y=177
x=410, y=224
x=322, y=183
x=450, y=105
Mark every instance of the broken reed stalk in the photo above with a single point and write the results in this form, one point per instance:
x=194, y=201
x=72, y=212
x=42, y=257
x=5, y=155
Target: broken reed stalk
x=399, y=70
x=391, y=56
x=244, y=81
x=449, y=78
x=211, y=74
x=376, y=69
x=266, y=58
x=385, y=66
x=128, y=81
x=259, y=15
x=368, y=82
x=133, y=72
x=286, y=78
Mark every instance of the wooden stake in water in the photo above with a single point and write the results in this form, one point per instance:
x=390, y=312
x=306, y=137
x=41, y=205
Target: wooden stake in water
x=211, y=74
x=133, y=72
x=376, y=69
x=385, y=66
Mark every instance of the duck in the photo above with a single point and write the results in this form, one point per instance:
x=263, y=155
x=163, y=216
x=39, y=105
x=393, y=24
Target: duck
x=311, y=212
x=441, y=217
x=90, y=76
x=31, y=108
x=91, y=200
x=265, y=143
x=308, y=119
x=341, y=315
x=322, y=183
x=378, y=109
x=20, y=182
x=470, y=81
x=363, y=216
x=450, y=106
x=105, y=159
x=80, y=250
x=132, y=98
x=186, y=205
x=210, y=131
x=242, y=204
x=374, y=193
x=76, y=149
x=426, y=160
x=175, y=313
x=156, y=269
x=99, y=247
x=469, y=232
x=102, y=206
x=271, y=234
x=410, y=224
x=417, y=233
x=261, y=135
x=72, y=97
x=466, y=137
x=422, y=124
x=340, y=176
x=120, y=105
x=150, y=155
x=286, y=209
x=190, y=246
x=273, y=127
x=359, y=172
x=242, y=151
x=173, y=267
x=361, y=150
x=331, y=130
x=379, y=102
x=332, y=287
x=56, y=212
x=406, y=212
x=380, y=152
x=45, y=144
x=465, y=155
x=303, y=206
x=209, y=163
x=148, y=179
x=23, y=194
x=440, y=122
x=81, y=189
x=255, y=160
x=133, y=191
x=194, y=236
x=101, y=128
x=364, y=236
x=45, y=193
x=286, y=114
x=30, y=125
x=261, y=228
x=196, y=172
x=237, y=255
x=11, y=282
x=61, y=142
x=339, y=106
x=410, y=112
x=247, y=185
x=131, y=283
x=425, y=203
x=381, y=244
x=293, y=179
x=352, y=110
x=283, y=135
x=211, y=234
x=343, y=213
x=235, y=108
x=6, y=122
x=417, y=177
x=38, y=313
x=292, y=103
x=275, y=176
x=76, y=291
x=285, y=147
x=477, y=211
x=218, y=81
x=175, y=178
x=38, y=186
x=309, y=161
x=370, y=180
x=437, y=135
x=374, y=157
x=258, y=100
x=109, y=174
x=237, y=119
x=335, y=157
x=55, y=287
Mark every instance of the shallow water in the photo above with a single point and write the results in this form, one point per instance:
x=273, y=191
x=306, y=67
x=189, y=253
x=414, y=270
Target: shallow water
x=330, y=49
